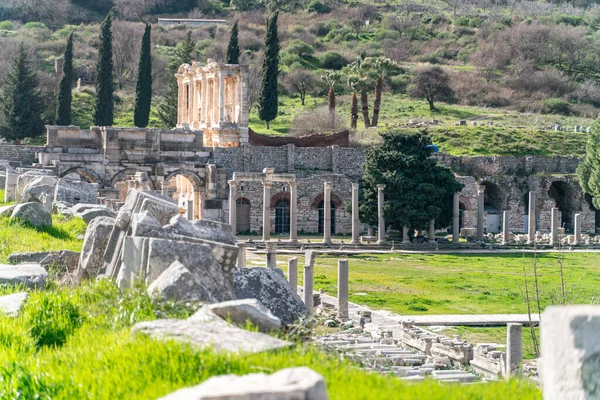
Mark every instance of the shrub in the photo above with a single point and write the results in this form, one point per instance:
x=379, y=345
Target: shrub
x=6, y=26
x=462, y=21
x=332, y=60
x=316, y=121
x=34, y=25
x=317, y=7
x=300, y=48
x=556, y=106
x=398, y=83
x=320, y=29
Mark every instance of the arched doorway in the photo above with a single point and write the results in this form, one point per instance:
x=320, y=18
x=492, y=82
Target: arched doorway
x=242, y=215
x=282, y=216
x=461, y=215
x=494, y=202
x=322, y=216
x=186, y=187
x=564, y=197
x=84, y=173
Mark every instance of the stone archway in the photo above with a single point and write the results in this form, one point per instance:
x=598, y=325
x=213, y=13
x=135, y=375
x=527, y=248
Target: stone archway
x=494, y=202
x=88, y=174
x=130, y=173
x=565, y=199
x=187, y=188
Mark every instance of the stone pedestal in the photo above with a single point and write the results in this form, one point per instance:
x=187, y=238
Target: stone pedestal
x=355, y=217
x=293, y=212
x=480, y=213
x=293, y=273
x=405, y=238
x=271, y=255
x=232, y=205
x=267, y=211
x=531, y=219
x=327, y=213
x=514, y=349
x=506, y=227
x=431, y=233
x=455, y=217
x=554, y=227
x=342, y=290
x=241, y=261
x=577, y=229
x=380, y=218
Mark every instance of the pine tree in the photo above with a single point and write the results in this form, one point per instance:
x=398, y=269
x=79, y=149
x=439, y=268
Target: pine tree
x=104, y=107
x=233, y=50
x=589, y=170
x=268, y=96
x=143, y=89
x=65, y=95
x=20, y=102
x=167, y=110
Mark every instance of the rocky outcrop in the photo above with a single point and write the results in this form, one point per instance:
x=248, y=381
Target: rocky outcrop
x=33, y=213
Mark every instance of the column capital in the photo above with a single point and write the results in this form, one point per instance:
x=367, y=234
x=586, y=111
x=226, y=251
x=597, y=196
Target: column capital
x=481, y=189
x=327, y=185
x=381, y=186
x=355, y=185
x=232, y=183
x=267, y=184
x=293, y=184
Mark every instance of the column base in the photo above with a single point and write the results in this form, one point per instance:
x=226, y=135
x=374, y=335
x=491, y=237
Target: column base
x=380, y=242
x=355, y=242
x=327, y=242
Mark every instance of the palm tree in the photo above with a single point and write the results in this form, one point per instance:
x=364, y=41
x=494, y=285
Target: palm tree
x=330, y=78
x=383, y=66
x=353, y=82
x=361, y=68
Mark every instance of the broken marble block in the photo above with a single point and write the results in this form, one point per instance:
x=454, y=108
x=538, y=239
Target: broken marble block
x=75, y=191
x=94, y=244
x=31, y=275
x=239, y=312
x=65, y=260
x=11, y=304
x=34, y=213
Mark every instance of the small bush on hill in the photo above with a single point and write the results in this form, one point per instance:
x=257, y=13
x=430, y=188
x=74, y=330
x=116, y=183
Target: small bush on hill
x=317, y=7
x=556, y=106
x=332, y=60
x=6, y=26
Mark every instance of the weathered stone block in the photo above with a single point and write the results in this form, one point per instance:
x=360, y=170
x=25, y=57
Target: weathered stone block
x=241, y=311
x=30, y=275
x=11, y=305
x=94, y=245
x=34, y=213
x=75, y=192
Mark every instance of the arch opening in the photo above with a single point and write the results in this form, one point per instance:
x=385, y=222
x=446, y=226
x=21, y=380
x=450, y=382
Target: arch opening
x=564, y=198
x=321, y=208
x=282, y=216
x=242, y=215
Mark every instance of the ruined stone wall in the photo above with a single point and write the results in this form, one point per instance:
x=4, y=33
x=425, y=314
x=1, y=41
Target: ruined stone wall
x=27, y=155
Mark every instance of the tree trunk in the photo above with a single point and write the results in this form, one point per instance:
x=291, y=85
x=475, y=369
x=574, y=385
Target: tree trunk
x=430, y=101
x=354, y=111
x=331, y=100
x=365, y=107
x=268, y=124
x=377, y=103
x=302, y=97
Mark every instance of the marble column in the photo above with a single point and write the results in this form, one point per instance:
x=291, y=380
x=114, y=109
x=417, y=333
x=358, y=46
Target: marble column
x=514, y=349
x=327, y=213
x=531, y=218
x=342, y=293
x=506, y=227
x=221, y=99
x=405, y=238
x=189, y=210
x=380, y=219
x=232, y=205
x=201, y=197
x=293, y=212
x=267, y=211
x=355, y=217
x=308, y=287
x=293, y=273
x=179, y=103
x=271, y=255
x=554, y=227
x=241, y=261
x=164, y=188
x=480, y=213
x=455, y=217
x=577, y=229
x=431, y=233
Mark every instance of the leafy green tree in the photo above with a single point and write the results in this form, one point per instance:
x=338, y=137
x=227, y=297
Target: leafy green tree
x=20, y=102
x=417, y=190
x=589, y=170
x=167, y=110
x=268, y=97
x=65, y=94
x=143, y=90
x=233, y=50
x=104, y=106
x=433, y=84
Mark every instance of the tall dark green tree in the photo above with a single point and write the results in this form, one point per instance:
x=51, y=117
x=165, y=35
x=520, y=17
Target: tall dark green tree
x=589, y=170
x=65, y=94
x=143, y=89
x=268, y=96
x=104, y=107
x=167, y=110
x=233, y=50
x=20, y=102
x=417, y=190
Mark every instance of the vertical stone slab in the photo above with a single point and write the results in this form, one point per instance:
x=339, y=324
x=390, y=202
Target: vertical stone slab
x=514, y=349
x=164, y=188
x=232, y=205
x=405, y=238
x=308, y=287
x=271, y=255
x=355, y=217
x=570, y=350
x=10, y=186
x=342, y=290
x=455, y=217
x=241, y=261
x=293, y=273
x=267, y=211
x=531, y=218
x=327, y=213
x=577, y=229
x=380, y=218
x=189, y=210
x=480, y=213
x=293, y=212
x=554, y=227
x=431, y=233
x=506, y=227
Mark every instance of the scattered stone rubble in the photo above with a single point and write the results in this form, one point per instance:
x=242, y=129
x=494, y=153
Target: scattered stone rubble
x=65, y=260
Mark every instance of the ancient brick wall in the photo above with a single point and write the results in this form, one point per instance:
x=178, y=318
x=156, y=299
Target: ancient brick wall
x=27, y=155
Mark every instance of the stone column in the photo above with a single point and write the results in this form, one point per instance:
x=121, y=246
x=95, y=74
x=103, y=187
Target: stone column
x=179, y=102
x=201, y=197
x=405, y=238
x=293, y=212
x=505, y=227
x=531, y=218
x=267, y=211
x=480, y=213
x=164, y=188
x=431, y=233
x=189, y=210
x=308, y=286
x=241, y=261
x=455, y=217
x=232, y=205
x=577, y=229
x=327, y=213
x=221, y=99
x=342, y=313
x=355, y=217
x=293, y=273
x=514, y=349
x=271, y=255
x=380, y=219
x=554, y=227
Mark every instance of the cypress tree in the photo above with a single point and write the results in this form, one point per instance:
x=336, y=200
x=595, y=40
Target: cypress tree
x=167, y=110
x=65, y=95
x=104, y=107
x=20, y=101
x=268, y=96
x=233, y=50
x=143, y=90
